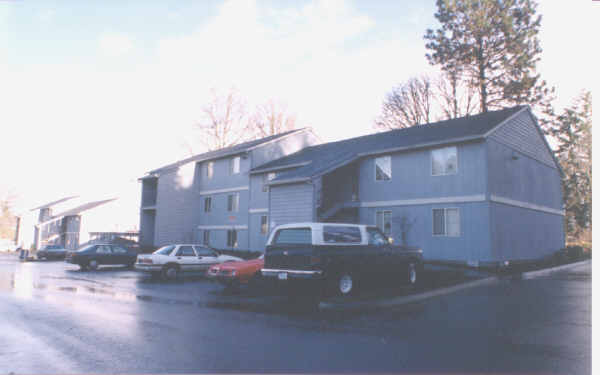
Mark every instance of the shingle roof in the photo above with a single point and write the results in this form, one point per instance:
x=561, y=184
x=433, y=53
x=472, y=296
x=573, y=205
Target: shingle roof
x=53, y=203
x=328, y=156
x=236, y=149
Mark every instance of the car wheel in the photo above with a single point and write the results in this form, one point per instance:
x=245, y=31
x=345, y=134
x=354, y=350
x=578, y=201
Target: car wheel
x=170, y=272
x=345, y=284
x=93, y=264
x=412, y=274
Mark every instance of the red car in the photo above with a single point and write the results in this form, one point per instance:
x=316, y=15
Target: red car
x=234, y=274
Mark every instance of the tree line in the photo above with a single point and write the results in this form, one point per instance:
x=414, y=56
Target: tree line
x=487, y=53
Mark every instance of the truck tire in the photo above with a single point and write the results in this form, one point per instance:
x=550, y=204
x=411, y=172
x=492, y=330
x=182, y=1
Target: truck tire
x=345, y=284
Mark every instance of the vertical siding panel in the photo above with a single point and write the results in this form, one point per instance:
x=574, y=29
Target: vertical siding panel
x=291, y=203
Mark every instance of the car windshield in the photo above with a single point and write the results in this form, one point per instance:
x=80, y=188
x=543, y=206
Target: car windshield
x=85, y=248
x=52, y=247
x=165, y=250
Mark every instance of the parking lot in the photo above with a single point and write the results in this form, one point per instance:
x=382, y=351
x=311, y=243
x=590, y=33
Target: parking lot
x=63, y=320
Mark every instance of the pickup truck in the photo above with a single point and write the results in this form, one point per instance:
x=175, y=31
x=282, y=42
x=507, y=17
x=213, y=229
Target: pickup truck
x=342, y=256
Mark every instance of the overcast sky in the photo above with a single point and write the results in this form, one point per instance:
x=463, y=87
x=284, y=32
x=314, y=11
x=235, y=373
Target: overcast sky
x=94, y=94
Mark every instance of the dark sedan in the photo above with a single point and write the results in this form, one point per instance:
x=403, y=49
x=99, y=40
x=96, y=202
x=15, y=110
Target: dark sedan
x=92, y=256
x=51, y=252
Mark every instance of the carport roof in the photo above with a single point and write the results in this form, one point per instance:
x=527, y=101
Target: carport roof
x=317, y=160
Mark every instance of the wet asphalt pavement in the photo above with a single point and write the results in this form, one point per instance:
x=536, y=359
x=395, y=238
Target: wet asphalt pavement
x=57, y=319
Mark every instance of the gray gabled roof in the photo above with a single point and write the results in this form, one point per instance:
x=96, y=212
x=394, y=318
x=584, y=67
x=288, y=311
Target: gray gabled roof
x=54, y=203
x=323, y=158
x=84, y=207
x=228, y=151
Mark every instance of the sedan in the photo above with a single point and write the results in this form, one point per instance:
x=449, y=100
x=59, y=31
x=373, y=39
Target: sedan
x=171, y=260
x=52, y=252
x=92, y=256
x=235, y=274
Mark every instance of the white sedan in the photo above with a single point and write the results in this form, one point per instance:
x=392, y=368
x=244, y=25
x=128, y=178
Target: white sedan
x=169, y=261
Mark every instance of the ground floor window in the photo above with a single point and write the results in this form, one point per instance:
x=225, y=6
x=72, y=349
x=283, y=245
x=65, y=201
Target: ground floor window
x=264, y=226
x=446, y=222
x=232, y=240
x=206, y=237
x=383, y=221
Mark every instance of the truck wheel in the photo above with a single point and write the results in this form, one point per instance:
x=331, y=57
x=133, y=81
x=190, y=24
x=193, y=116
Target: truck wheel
x=345, y=284
x=412, y=274
x=170, y=272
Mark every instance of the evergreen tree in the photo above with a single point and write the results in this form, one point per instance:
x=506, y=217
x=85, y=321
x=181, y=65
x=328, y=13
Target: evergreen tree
x=573, y=133
x=494, y=46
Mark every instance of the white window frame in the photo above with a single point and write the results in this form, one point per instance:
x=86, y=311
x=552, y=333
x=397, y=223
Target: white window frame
x=210, y=169
x=236, y=244
x=383, y=222
x=445, y=209
x=236, y=203
x=431, y=162
x=233, y=162
x=206, y=237
x=265, y=226
x=375, y=168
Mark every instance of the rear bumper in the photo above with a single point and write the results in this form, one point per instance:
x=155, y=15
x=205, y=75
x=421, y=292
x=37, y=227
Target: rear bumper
x=293, y=274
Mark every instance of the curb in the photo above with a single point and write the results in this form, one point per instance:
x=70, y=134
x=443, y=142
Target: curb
x=548, y=271
x=397, y=301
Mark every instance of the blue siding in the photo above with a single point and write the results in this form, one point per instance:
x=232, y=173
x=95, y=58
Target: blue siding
x=517, y=176
x=521, y=234
x=412, y=179
x=522, y=134
x=291, y=203
x=257, y=239
x=473, y=244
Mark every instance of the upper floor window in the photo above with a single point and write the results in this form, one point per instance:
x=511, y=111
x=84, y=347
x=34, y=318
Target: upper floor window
x=446, y=222
x=207, y=204
x=209, y=169
x=233, y=202
x=383, y=168
x=444, y=161
x=234, y=165
x=266, y=178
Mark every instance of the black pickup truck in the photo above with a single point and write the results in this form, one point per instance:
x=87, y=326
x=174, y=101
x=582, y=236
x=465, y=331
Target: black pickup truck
x=342, y=256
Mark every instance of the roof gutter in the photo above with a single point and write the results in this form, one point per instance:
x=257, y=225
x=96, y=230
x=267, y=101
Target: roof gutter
x=287, y=166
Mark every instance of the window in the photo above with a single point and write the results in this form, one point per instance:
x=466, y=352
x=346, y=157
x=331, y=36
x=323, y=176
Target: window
x=266, y=178
x=206, y=237
x=383, y=168
x=444, y=161
x=209, y=169
x=186, y=251
x=233, y=202
x=294, y=236
x=234, y=165
x=232, y=238
x=207, y=204
x=102, y=249
x=383, y=221
x=335, y=234
x=165, y=250
x=376, y=237
x=264, y=226
x=118, y=250
x=446, y=222
x=204, y=252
